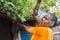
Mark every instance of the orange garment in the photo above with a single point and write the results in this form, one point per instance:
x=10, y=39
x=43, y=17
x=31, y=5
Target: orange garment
x=42, y=33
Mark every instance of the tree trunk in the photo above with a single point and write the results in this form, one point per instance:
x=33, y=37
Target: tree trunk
x=5, y=28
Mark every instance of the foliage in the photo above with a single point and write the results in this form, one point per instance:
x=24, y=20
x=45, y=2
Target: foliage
x=51, y=6
x=47, y=4
x=20, y=9
x=17, y=9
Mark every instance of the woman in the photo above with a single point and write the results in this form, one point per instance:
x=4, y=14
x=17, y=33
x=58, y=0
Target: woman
x=43, y=31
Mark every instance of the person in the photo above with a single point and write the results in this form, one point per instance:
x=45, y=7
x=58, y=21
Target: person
x=43, y=31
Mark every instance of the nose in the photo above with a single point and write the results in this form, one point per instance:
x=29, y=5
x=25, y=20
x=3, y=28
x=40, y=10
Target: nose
x=43, y=19
x=46, y=21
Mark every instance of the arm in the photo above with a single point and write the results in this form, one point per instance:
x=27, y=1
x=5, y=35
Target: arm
x=27, y=28
x=36, y=18
x=35, y=12
x=30, y=29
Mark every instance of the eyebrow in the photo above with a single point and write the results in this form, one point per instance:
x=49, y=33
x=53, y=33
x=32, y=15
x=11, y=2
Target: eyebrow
x=45, y=18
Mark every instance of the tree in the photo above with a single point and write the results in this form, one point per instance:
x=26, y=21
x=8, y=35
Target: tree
x=20, y=9
x=47, y=4
x=17, y=9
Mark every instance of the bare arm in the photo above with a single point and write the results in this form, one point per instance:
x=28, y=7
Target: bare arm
x=36, y=18
x=27, y=28
x=35, y=12
x=37, y=7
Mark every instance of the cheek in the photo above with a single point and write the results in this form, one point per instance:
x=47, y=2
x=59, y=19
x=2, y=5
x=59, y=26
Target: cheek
x=41, y=22
x=47, y=23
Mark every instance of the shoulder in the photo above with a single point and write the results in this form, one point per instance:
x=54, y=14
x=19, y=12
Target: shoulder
x=42, y=28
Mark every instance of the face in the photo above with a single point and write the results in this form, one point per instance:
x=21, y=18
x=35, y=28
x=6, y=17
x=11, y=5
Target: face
x=46, y=21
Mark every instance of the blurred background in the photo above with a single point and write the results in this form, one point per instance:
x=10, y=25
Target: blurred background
x=15, y=10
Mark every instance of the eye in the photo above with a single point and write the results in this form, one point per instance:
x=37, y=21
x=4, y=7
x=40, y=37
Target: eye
x=45, y=18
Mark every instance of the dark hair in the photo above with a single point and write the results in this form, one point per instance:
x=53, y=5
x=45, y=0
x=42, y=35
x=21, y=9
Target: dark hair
x=54, y=19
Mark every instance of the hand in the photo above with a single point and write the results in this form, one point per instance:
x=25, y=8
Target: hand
x=20, y=25
x=36, y=12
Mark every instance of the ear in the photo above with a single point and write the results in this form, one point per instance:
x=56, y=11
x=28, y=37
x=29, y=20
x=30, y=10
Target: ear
x=52, y=23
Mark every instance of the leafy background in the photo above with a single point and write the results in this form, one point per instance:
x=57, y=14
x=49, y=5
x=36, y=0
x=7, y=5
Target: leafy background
x=20, y=9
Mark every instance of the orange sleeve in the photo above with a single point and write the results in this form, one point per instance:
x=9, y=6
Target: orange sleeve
x=38, y=30
x=44, y=33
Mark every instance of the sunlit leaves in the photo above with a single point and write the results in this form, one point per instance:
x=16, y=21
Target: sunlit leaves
x=46, y=4
x=18, y=9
